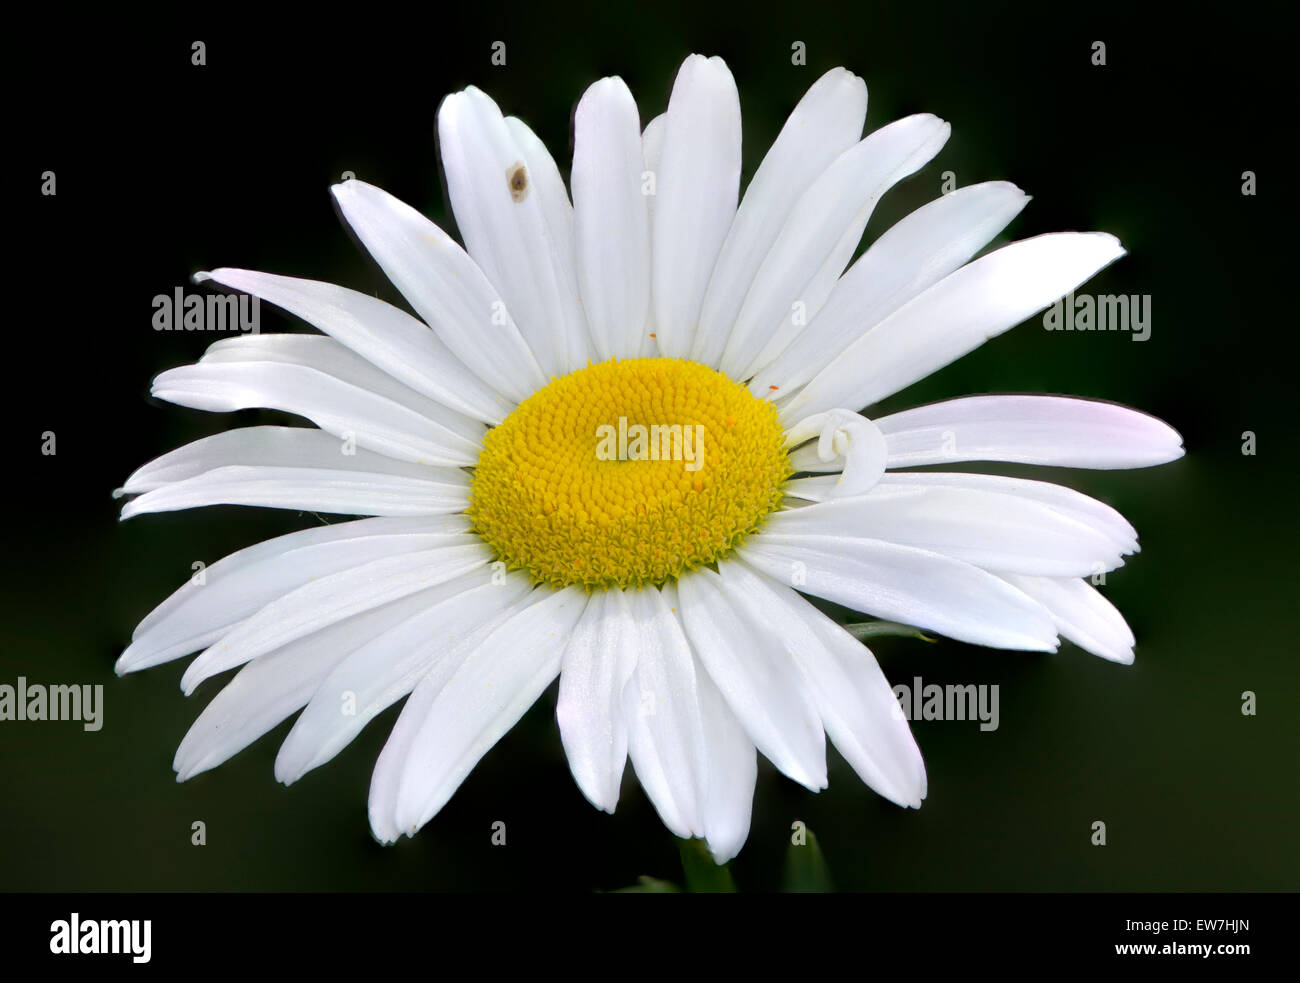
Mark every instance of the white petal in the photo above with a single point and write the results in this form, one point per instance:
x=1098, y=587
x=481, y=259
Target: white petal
x=755, y=674
x=652, y=148
x=598, y=662
x=269, y=689
x=1051, y=430
x=500, y=193
x=328, y=599
x=345, y=410
x=661, y=706
x=339, y=492
x=853, y=698
x=483, y=699
x=955, y=316
x=826, y=122
x=822, y=488
x=652, y=144
x=1077, y=505
x=266, y=447
x=382, y=334
x=386, y=779
x=691, y=755
x=731, y=760
x=444, y=286
x=1005, y=533
x=436, y=638
x=611, y=217
x=291, y=467
x=322, y=354
x=699, y=180
x=242, y=583
x=560, y=238
x=820, y=237
x=902, y=583
x=912, y=255
x=1082, y=615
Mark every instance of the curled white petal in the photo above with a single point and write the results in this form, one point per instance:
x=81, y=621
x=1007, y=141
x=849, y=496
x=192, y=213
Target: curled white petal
x=843, y=435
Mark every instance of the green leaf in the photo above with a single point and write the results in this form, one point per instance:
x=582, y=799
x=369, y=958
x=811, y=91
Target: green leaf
x=649, y=885
x=806, y=871
x=703, y=874
x=863, y=630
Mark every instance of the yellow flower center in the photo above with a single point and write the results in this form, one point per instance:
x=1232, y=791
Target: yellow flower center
x=628, y=473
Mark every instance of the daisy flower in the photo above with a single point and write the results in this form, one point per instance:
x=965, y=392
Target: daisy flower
x=627, y=433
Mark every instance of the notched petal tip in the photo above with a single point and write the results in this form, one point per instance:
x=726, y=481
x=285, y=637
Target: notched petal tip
x=284, y=774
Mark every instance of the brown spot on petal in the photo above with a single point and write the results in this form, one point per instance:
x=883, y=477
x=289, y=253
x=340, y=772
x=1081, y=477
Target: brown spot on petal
x=517, y=180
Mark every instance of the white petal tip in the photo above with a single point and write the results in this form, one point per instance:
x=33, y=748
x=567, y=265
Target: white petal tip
x=815, y=784
x=725, y=853
x=381, y=831
x=186, y=769
x=201, y=277
x=1116, y=246
x=290, y=768
x=605, y=804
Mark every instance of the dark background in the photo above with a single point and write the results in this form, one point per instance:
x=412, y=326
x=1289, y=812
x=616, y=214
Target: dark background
x=164, y=169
